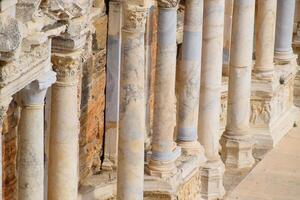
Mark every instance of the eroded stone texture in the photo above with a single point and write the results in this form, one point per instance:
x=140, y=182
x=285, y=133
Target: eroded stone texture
x=4, y=103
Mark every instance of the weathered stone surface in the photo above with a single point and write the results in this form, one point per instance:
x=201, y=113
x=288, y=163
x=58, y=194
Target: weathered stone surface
x=10, y=35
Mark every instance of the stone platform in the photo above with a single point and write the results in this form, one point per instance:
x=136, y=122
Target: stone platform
x=277, y=176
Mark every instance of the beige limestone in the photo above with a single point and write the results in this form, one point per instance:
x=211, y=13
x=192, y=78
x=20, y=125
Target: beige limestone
x=236, y=142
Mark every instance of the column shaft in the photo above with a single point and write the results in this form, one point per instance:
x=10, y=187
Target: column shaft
x=132, y=128
x=4, y=103
x=31, y=153
x=189, y=76
x=164, y=150
x=31, y=138
x=284, y=29
x=210, y=98
x=211, y=78
x=237, y=146
x=63, y=147
x=112, y=100
x=265, y=37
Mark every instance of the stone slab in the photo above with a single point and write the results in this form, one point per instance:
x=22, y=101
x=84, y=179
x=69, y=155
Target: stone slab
x=277, y=176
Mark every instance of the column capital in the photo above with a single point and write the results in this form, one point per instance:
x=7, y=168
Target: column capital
x=167, y=3
x=134, y=18
x=35, y=92
x=67, y=67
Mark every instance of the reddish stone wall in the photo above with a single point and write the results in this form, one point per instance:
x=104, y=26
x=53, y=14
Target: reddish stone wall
x=9, y=149
x=93, y=102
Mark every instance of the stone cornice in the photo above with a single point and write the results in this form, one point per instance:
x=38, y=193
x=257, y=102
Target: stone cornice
x=134, y=18
x=167, y=3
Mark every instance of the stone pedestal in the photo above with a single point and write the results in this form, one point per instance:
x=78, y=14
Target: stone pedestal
x=185, y=184
x=212, y=180
x=63, y=147
x=132, y=130
x=31, y=138
x=236, y=143
x=272, y=110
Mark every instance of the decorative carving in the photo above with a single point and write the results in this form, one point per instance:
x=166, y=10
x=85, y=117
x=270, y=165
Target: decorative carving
x=135, y=18
x=66, y=67
x=27, y=61
x=168, y=3
x=191, y=189
x=260, y=112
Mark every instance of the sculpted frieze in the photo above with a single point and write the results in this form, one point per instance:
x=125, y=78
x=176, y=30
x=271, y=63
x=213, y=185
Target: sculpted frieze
x=260, y=112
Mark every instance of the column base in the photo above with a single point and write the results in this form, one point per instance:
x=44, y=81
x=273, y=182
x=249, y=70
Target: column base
x=185, y=184
x=282, y=56
x=212, y=180
x=237, y=151
x=192, y=148
x=263, y=75
x=163, y=168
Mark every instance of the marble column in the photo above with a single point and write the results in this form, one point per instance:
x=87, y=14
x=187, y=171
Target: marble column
x=284, y=30
x=210, y=98
x=189, y=78
x=132, y=130
x=31, y=138
x=4, y=103
x=112, y=100
x=164, y=149
x=236, y=141
x=265, y=39
x=63, y=144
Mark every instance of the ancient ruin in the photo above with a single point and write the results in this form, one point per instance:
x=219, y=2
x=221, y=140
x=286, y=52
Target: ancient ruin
x=145, y=99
